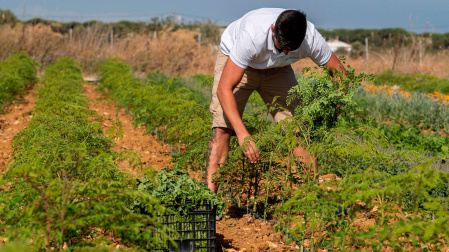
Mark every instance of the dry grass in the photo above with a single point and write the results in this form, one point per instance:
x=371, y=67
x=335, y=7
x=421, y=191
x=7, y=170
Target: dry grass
x=173, y=52
x=177, y=52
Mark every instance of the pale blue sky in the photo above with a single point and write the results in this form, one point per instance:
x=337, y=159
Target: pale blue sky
x=418, y=15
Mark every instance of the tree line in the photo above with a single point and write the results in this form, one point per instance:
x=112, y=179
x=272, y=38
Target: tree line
x=211, y=32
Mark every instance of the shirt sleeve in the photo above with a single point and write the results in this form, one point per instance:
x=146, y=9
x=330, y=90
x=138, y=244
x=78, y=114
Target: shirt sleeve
x=320, y=52
x=243, y=50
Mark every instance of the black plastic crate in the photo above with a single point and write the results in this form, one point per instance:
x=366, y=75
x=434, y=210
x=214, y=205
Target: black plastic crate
x=195, y=231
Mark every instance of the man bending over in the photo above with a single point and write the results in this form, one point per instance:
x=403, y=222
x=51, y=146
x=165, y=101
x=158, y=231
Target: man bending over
x=255, y=54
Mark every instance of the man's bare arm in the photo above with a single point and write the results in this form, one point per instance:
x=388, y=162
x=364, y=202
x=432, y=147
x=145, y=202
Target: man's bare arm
x=334, y=63
x=231, y=76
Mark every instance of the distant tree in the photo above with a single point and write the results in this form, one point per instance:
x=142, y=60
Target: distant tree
x=358, y=49
x=440, y=41
x=35, y=21
x=7, y=17
x=210, y=31
x=125, y=27
x=64, y=28
x=377, y=37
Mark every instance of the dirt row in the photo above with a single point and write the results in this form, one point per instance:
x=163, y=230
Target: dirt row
x=16, y=118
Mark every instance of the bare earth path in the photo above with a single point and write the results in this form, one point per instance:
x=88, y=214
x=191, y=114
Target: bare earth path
x=17, y=117
x=237, y=232
x=152, y=152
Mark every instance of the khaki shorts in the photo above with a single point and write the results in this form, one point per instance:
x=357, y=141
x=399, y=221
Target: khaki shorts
x=268, y=83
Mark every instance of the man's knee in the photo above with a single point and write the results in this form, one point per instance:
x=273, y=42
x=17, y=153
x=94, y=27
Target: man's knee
x=221, y=133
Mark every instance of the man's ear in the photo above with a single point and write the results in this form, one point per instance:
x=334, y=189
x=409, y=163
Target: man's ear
x=272, y=28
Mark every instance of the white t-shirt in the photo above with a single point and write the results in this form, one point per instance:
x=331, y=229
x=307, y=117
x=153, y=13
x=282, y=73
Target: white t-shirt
x=248, y=41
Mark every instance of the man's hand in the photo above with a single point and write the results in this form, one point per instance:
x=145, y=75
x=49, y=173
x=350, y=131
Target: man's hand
x=249, y=149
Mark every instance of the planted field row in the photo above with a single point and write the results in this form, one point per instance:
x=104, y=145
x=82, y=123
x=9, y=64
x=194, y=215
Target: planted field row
x=402, y=137
x=413, y=82
x=165, y=106
x=64, y=186
x=399, y=135
x=404, y=197
x=426, y=113
x=16, y=73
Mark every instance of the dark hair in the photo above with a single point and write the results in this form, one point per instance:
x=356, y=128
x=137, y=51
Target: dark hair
x=290, y=29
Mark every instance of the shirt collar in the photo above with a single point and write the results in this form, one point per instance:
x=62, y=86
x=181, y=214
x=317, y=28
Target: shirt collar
x=270, y=45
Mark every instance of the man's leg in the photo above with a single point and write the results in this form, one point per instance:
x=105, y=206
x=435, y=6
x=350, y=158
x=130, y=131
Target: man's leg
x=218, y=146
x=277, y=82
x=310, y=162
x=217, y=150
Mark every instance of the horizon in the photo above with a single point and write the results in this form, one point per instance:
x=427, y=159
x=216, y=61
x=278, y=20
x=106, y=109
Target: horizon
x=413, y=15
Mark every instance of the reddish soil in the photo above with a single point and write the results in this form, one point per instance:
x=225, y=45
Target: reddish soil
x=153, y=153
x=16, y=118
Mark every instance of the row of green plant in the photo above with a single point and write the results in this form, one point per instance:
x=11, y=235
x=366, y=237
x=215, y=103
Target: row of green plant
x=399, y=190
x=413, y=82
x=165, y=106
x=400, y=136
x=63, y=186
x=418, y=110
x=388, y=182
x=16, y=73
x=177, y=114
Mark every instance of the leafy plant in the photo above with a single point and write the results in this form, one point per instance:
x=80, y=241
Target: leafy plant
x=413, y=82
x=323, y=98
x=176, y=186
x=16, y=73
x=418, y=110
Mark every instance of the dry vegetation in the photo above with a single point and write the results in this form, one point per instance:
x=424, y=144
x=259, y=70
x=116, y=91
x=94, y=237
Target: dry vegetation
x=177, y=51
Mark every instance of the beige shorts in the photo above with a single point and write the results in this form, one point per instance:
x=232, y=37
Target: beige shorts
x=268, y=83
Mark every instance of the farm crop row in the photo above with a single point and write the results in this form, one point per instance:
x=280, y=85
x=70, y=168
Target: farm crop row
x=400, y=136
x=165, y=105
x=413, y=82
x=426, y=113
x=64, y=186
x=408, y=197
x=16, y=72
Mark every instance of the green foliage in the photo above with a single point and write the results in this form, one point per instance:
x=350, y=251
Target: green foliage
x=7, y=17
x=413, y=82
x=322, y=98
x=440, y=41
x=418, y=110
x=399, y=135
x=311, y=211
x=377, y=37
x=176, y=186
x=16, y=73
x=64, y=183
x=16, y=246
x=205, y=81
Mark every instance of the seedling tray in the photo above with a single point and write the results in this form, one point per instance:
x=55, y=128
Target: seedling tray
x=192, y=231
